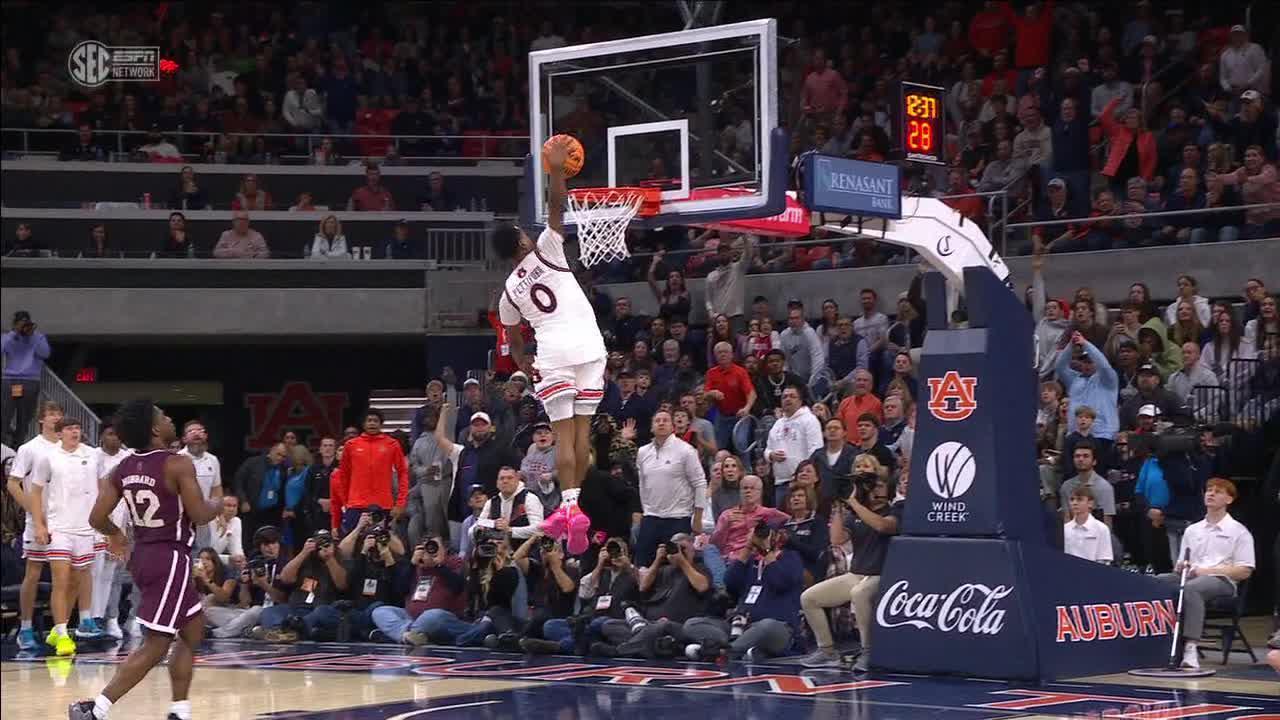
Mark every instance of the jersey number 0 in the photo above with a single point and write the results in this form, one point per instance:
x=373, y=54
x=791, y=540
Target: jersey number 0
x=542, y=298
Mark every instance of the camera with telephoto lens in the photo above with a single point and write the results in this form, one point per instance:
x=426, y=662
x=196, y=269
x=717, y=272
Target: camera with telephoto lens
x=487, y=543
x=258, y=565
x=863, y=484
x=547, y=544
x=376, y=514
x=614, y=549
x=381, y=535
x=737, y=626
x=672, y=548
x=431, y=547
x=323, y=539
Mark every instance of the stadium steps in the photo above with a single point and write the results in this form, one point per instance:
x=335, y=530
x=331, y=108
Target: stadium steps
x=397, y=406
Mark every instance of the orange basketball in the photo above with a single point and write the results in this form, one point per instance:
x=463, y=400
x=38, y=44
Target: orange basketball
x=572, y=163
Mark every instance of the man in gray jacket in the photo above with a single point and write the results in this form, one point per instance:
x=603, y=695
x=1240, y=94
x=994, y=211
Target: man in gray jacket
x=806, y=356
x=432, y=472
x=539, y=467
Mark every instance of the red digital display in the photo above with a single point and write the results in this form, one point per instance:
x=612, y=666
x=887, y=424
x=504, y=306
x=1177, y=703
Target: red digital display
x=922, y=128
x=87, y=375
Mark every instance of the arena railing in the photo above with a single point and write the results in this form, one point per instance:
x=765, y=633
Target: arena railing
x=473, y=146
x=53, y=389
x=1088, y=219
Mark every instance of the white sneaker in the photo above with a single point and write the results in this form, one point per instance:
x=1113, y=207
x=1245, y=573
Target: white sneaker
x=112, y=629
x=132, y=628
x=1190, y=657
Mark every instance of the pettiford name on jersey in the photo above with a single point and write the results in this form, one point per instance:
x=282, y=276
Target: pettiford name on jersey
x=544, y=291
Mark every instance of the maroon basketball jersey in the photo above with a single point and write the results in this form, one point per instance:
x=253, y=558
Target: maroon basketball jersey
x=155, y=512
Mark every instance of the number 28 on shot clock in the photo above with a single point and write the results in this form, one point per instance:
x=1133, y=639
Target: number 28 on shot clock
x=923, y=132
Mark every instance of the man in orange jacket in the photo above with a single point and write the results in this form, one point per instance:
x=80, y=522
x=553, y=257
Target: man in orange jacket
x=363, y=477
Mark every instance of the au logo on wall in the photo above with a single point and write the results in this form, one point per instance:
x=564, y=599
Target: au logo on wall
x=951, y=397
x=295, y=407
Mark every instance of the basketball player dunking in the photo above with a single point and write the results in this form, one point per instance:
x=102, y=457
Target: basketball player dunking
x=165, y=503
x=569, y=379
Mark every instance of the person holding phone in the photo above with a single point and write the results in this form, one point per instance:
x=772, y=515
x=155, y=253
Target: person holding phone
x=25, y=351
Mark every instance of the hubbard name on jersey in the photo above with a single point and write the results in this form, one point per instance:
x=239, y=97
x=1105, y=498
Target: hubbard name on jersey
x=543, y=290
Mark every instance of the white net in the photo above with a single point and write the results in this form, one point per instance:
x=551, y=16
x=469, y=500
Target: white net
x=602, y=217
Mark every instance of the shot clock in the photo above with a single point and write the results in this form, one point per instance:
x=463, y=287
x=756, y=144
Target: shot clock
x=922, y=130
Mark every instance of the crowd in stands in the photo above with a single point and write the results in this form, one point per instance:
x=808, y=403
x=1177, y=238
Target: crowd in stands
x=1080, y=114
x=745, y=480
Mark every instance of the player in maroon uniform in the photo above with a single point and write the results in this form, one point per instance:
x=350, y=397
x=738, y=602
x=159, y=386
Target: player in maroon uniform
x=165, y=503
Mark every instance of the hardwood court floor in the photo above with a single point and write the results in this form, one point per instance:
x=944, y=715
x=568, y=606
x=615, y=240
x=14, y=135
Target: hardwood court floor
x=307, y=681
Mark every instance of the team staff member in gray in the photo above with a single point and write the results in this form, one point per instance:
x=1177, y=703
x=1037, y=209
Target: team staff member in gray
x=673, y=488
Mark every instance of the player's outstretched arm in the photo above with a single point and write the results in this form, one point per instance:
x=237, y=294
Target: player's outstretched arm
x=557, y=190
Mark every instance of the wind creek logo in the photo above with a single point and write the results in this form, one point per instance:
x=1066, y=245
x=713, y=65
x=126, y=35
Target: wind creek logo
x=93, y=64
x=971, y=608
x=950, y=471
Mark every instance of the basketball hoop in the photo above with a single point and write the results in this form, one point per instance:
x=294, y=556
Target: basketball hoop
x=602, y=216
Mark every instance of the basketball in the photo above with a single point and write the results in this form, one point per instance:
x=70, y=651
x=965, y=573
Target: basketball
x=572, y=163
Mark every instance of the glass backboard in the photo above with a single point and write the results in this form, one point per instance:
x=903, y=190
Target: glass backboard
x=691, y=113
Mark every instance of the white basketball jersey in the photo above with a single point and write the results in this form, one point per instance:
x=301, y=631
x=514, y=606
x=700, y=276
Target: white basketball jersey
x=543, y=290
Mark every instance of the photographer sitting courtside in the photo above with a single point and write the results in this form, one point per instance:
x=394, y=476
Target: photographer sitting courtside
x=315, y=578
x=492, y=583
x=875, y=522
x=767, y=578
x=675, y=588
x=553, y=582
x=256, y=588
x=374, y=571
x=604, y=594
x=437, y=596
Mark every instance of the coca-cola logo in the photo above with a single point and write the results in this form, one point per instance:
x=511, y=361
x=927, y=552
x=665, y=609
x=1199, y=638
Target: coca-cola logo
x=971, y=608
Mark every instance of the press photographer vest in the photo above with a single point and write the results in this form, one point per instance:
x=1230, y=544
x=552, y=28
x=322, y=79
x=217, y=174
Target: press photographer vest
x=519, y=518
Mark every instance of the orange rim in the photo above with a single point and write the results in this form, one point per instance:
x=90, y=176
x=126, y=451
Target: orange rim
x=651, y=198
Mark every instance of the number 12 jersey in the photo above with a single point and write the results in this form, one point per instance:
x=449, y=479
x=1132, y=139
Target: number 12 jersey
x=155, y=512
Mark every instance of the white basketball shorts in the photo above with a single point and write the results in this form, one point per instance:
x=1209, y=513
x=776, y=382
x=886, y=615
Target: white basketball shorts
x=571, y=390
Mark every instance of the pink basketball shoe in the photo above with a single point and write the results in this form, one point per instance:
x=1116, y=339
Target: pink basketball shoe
x=556, y=524
x=579, y=524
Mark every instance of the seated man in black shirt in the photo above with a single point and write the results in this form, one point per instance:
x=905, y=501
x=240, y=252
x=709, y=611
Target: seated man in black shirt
x=492, y=582
x=676, y=587
x=257, y=588
x=605, y=592
x=315, y=579
x=552, y=581
x=767, y=578
x=376, y=576
x=872, y=522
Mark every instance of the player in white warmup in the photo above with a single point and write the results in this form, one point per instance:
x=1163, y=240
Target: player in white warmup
x=569, y=376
